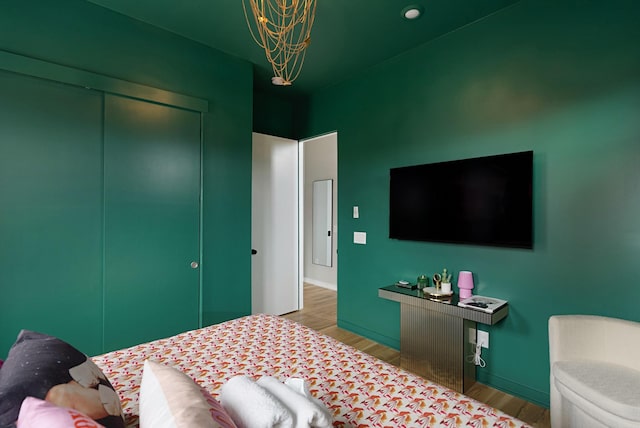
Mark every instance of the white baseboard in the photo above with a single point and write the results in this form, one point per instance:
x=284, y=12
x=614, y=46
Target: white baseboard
x=322, y=284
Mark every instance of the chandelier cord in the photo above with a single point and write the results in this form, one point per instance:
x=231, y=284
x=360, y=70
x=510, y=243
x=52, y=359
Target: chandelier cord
x=284, y=30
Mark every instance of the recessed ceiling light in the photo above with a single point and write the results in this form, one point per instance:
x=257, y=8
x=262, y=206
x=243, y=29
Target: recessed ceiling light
x=412, y=12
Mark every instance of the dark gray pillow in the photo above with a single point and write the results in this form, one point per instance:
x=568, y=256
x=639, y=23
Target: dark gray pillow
x=46, y=367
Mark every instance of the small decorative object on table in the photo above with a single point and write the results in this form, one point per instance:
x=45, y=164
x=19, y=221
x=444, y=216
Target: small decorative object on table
x=443, y=278
x=423, y=281
x=442, y=286
x=482, y=303
x=465, y=283
x=445, y=284
x=436, y=280
x=434, y=293
x=406, y=284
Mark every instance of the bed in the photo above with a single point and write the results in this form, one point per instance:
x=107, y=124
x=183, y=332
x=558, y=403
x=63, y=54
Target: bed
x=360, y=390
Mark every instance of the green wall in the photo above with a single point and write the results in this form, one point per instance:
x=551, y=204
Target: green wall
x=83, y=36
x=279, y=113
x=559, y=78
x=51, y=221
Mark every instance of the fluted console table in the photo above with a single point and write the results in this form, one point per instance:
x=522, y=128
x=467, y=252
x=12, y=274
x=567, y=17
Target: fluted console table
x=434, y=336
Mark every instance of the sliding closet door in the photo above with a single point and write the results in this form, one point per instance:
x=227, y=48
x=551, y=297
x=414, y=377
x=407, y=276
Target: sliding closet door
x=50, y=211
x=152, y=193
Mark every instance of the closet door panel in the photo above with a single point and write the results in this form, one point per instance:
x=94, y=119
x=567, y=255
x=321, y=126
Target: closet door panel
x=50, y=211
x=152, y=193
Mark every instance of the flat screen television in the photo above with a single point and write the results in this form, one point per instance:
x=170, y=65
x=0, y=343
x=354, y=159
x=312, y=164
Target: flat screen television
x=480, y=201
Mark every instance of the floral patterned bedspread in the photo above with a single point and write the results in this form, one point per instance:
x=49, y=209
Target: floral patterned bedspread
x=361, y=390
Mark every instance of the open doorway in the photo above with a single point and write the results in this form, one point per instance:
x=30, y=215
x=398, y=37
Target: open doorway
x=320, y=214
x=285, y=253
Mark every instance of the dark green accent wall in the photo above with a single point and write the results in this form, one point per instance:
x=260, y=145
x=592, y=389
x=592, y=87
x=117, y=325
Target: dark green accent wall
x=279, y=112
x=559, y=78
x=84, y=36
x=50, y=211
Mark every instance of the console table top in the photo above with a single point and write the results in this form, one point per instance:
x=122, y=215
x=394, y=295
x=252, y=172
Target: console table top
x=447, y=306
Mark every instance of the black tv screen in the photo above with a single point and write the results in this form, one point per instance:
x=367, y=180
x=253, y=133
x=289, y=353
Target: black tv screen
x=481, y=201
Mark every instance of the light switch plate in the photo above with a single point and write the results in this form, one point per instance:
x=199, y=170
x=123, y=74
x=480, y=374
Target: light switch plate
x=360, y=238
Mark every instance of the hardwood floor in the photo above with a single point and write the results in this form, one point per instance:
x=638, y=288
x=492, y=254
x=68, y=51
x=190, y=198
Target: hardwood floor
x=320, y=313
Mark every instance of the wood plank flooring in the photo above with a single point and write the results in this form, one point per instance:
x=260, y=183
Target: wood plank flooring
x=320, y=313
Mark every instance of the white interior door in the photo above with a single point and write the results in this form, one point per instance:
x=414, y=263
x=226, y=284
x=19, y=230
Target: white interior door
x=274, y=225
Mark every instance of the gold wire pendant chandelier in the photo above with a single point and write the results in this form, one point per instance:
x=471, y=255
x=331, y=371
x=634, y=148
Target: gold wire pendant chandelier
x=284, y=29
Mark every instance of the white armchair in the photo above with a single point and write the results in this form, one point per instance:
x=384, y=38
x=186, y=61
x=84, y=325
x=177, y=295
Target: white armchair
x=595, y=371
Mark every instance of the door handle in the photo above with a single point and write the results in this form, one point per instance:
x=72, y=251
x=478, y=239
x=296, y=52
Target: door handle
x=195, y=265
x=254, y=252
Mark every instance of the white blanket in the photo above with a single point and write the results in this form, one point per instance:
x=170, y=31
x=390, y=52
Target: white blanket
x=307, y=412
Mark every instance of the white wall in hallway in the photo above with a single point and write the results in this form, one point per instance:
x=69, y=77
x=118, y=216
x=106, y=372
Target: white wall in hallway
x=320, y=163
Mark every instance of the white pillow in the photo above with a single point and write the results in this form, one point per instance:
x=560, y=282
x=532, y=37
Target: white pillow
x=171, y=399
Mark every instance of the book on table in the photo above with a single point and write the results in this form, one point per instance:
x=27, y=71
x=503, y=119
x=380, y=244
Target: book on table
x=482, y=303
